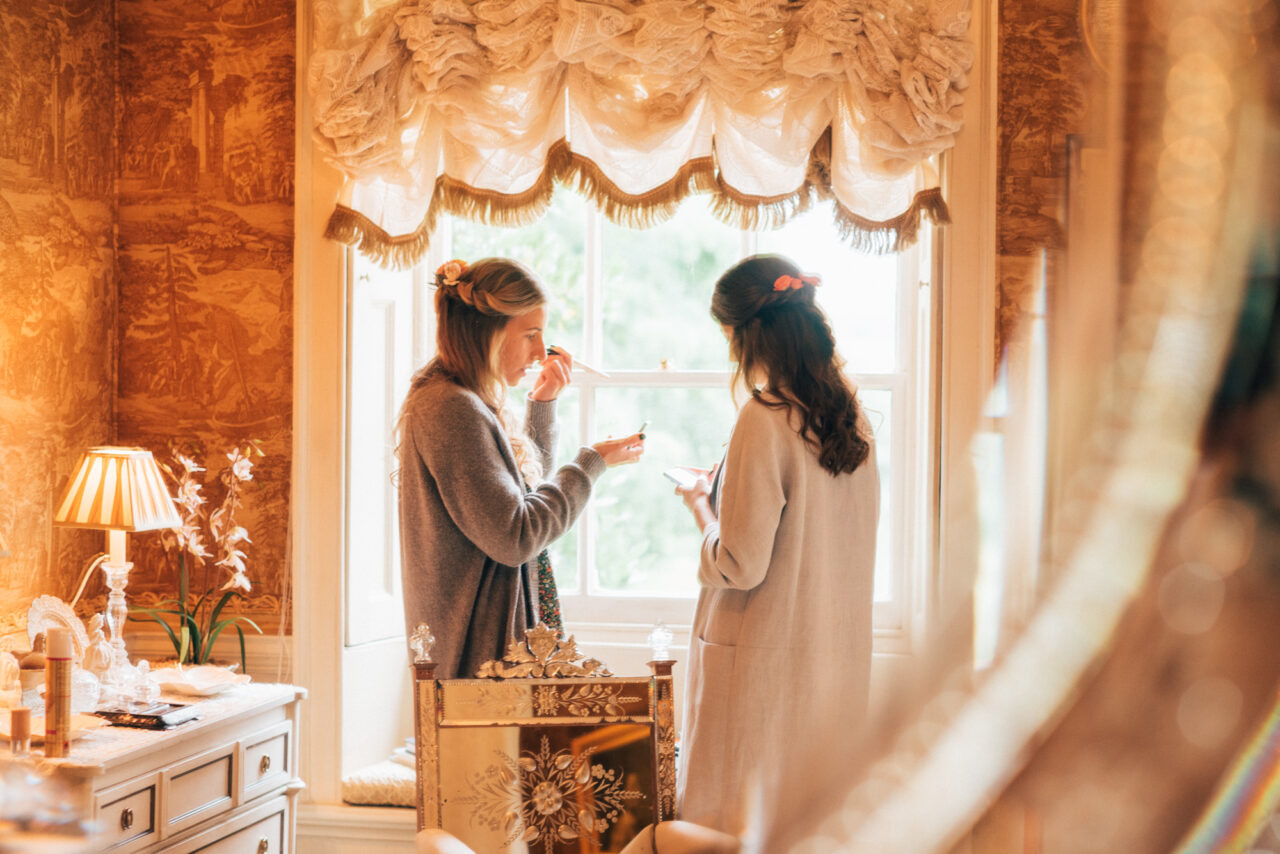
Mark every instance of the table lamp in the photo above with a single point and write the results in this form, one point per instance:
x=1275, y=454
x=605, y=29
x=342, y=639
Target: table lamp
x=117, y=490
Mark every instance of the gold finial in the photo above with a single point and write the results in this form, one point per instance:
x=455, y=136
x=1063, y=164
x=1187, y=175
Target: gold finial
x=421, y=642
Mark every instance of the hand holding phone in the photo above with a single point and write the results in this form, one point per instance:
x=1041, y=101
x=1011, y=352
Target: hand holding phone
x=681, y=477
x=694, y=491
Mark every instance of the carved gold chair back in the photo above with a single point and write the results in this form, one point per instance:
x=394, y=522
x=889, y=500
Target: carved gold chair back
x=543, y=752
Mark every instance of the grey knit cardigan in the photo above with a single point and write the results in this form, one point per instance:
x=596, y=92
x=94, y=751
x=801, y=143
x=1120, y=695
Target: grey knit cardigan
x=469, y=530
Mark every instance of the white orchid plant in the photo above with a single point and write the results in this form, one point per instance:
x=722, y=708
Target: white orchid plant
x=199, y=613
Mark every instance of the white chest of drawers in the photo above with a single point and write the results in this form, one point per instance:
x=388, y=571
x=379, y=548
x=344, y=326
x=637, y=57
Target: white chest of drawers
x=224, y=784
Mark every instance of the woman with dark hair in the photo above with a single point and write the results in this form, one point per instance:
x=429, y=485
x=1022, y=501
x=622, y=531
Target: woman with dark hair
x=780, y=654
x=476, y=512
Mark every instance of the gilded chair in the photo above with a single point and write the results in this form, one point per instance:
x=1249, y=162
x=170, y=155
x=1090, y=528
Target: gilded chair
x=543, y=752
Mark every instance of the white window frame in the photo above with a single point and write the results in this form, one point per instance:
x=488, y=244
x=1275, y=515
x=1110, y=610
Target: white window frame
x=385, y=311
x=385, y=315
x=344, y=688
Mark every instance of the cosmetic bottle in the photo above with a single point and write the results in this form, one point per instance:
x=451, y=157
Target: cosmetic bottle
x=57, y=693
x=19, y=731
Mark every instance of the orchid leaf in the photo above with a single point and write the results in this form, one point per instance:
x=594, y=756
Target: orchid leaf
x=151, y=614
x=232, y=621
x=194, y=628
x=222, y=603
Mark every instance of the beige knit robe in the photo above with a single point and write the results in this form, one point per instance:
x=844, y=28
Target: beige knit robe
x=780, y=653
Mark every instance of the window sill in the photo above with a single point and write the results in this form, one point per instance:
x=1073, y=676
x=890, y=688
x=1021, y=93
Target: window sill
x=343, y=829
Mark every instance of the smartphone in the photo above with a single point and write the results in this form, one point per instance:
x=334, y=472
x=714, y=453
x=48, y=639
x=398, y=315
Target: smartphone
x=681, y=477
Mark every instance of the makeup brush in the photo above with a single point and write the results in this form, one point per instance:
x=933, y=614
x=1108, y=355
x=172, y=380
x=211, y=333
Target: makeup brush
x=553, y=350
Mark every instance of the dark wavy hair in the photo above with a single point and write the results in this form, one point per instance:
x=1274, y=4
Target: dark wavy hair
x=784, y=347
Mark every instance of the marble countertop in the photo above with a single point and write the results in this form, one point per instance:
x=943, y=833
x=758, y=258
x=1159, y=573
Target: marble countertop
x=98, y=746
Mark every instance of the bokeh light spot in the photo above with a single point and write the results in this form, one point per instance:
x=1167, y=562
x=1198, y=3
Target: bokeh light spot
x=1209, y=710
x=1190, y=598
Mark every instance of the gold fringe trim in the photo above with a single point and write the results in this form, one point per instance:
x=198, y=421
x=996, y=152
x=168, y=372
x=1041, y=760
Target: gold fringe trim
x=892, y=235
x=762, y=213
x=397, y=252
x=759, y=213
x=449, y=196
x=510, y=210
x=644, y=210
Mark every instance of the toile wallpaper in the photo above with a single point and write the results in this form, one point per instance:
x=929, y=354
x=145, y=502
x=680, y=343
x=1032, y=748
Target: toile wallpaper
x=205, y=137
x=57, y=280
x=146, y=244
x=1044, y=72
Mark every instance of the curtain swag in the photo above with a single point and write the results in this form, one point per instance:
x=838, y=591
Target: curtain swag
x=478, y=108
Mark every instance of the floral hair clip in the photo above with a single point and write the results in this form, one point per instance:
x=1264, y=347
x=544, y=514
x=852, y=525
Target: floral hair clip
x=450, y=271
x=795, y=283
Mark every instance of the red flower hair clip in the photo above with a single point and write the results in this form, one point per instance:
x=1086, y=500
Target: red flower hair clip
x=795, y=283
x=450, y=271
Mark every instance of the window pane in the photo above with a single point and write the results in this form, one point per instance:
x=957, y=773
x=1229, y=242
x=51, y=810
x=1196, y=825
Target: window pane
x=646, y=540
x=878, y=404
x=553, y=247
x=657, y=291
x=858, y=292
x=564, y=551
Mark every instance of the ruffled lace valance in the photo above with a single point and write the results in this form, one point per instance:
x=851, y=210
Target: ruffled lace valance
x=478, y=107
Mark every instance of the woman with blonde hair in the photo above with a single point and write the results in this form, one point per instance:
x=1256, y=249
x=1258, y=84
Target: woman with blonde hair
x=780, y=654
x=479, y=500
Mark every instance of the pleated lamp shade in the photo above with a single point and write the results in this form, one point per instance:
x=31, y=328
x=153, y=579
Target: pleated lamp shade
x=117, y=489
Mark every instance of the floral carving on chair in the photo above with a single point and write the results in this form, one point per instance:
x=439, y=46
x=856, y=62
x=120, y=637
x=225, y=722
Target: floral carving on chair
x=581, y=700
x=547, y=797
x=542, y=655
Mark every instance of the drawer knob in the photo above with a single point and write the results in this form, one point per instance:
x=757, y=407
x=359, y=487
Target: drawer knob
x=264, y=765
x=264, y=845
x=126, y=818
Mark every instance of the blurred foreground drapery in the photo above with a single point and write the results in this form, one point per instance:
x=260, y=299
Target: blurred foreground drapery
x=478, y=108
